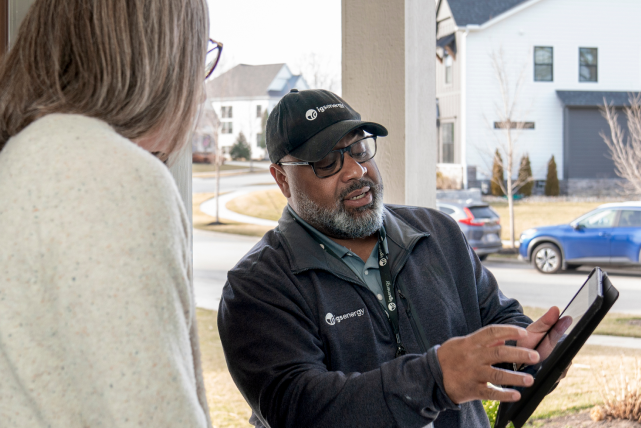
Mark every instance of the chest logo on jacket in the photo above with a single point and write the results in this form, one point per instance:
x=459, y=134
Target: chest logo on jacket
x=332, y=320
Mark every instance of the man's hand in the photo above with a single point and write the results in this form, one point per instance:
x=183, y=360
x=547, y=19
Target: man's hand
x=466, y=363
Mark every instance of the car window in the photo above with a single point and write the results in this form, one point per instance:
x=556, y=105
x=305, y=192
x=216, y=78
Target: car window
x=483, y=212
x=630, y=218
x=446, y=210
x=599, y=219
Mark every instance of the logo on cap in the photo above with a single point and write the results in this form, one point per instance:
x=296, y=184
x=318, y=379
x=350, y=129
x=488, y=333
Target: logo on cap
x=311, y=114
x=329, y=318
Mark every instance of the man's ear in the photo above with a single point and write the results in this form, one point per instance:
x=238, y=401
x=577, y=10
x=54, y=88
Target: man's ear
x=281, y=179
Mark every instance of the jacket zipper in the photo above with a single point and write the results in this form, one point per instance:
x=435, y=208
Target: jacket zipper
x=408, y=311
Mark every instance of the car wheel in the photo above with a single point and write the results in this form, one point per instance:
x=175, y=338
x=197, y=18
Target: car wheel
x=547, y=258
x=482, y=257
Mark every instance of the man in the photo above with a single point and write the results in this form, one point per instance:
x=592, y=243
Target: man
x=360, y=314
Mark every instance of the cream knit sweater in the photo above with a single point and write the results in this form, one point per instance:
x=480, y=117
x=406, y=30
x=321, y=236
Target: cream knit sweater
x=97, y=321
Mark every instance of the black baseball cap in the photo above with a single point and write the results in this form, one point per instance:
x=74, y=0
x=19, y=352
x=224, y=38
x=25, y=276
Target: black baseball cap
x=308, y=124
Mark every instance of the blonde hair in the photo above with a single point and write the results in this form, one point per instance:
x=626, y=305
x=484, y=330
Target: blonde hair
x=138, y=65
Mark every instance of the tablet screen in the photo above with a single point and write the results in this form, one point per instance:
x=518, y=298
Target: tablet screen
x=568, y=320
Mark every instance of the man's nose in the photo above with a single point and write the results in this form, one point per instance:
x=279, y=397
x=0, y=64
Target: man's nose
x=352, y=169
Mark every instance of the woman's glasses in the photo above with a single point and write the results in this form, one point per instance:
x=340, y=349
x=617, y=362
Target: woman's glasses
x=214, y=50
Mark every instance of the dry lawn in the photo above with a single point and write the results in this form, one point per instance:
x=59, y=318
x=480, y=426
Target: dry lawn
x=227, y=406
x=612, y=325
x=210, y=167
x=205, y=222
x=533, y=214
x=267, y=204
x=581, y=389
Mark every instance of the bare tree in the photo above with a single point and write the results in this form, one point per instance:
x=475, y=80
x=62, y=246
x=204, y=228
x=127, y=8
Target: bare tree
x=507, y=111
x=625, y=151
x=317, y=72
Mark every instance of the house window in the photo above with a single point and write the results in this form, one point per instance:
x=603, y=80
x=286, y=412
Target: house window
x=259, y=111
x=447, y=61
x=226, y=112
x=543, y=64
x=447, y=143
x=588, y=64
x=228, y=128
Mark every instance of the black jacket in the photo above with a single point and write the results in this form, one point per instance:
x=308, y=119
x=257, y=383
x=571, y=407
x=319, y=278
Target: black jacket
x=296, y=369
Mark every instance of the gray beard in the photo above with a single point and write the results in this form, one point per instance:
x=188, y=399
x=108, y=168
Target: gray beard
x=338, y=221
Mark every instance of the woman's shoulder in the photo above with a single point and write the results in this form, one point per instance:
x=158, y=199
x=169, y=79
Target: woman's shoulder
x=61, y=147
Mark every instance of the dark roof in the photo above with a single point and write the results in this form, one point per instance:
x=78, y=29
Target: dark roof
x=594, y=98
x=477, y=12
x=244, y=81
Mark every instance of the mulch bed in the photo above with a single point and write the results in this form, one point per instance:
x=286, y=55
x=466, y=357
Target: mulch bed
x=582, y=420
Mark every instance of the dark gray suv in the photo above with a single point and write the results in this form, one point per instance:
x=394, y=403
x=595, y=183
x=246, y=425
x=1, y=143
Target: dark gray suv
x=478, y=221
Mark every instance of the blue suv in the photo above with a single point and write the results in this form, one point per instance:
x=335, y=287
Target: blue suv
x=609, y=235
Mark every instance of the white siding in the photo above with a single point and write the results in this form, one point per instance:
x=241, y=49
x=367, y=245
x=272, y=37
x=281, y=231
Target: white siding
x=565, y=25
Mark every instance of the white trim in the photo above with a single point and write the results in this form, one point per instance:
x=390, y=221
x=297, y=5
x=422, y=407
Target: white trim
x=501, y=17
x=462, y=120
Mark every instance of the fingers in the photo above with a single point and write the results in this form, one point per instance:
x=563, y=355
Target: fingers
x=493, y=334
x=546, y=321
x=496, y=393
x=507, y=354
x=504, y=377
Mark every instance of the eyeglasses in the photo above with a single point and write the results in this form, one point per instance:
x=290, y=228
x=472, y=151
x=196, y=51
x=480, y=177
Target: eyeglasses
x=361, y=151
x=214, y=50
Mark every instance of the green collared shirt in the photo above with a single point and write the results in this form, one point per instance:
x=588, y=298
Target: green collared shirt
x=367, y=271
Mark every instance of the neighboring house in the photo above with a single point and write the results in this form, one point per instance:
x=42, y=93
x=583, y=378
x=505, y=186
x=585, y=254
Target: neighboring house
x=242, y=95
x=203, y=141
x=572, y=53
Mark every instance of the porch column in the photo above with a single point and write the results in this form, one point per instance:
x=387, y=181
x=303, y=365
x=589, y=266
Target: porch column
x=388, y=76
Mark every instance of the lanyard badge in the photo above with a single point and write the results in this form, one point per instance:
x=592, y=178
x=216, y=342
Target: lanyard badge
x=388, y=292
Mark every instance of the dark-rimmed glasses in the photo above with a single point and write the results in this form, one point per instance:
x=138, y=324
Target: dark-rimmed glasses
x=214, y=51
x=361, y=151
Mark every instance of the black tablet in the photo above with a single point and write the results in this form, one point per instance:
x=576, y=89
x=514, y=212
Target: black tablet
x=560, y=345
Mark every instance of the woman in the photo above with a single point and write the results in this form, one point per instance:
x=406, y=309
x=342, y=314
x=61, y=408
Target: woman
x=97, y=320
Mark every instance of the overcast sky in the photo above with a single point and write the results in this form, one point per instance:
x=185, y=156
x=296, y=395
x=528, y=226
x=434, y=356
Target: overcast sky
x=274, y=31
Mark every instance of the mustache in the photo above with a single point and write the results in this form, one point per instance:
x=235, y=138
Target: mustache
x=359, y=184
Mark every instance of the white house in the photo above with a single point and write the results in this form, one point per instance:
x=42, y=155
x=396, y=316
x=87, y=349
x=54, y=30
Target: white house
x=571, y=53
x=242, y=95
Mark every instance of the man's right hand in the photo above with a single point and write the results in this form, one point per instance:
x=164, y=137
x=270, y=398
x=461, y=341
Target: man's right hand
x=466, y=363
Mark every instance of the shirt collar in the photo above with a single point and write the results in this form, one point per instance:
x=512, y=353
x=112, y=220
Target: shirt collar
x=336, y=248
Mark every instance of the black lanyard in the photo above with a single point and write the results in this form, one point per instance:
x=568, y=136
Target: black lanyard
x=388, y=292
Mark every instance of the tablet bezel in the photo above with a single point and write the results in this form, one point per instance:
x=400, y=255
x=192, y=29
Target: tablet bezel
x=556, y=363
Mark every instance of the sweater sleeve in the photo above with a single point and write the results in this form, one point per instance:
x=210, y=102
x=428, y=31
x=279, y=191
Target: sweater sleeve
x=101, y=332
x=277, y=358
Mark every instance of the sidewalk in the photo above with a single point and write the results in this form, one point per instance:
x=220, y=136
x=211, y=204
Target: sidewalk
x=209, y=207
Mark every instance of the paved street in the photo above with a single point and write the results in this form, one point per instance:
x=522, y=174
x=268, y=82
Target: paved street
x=531, y=288
x=231, y=183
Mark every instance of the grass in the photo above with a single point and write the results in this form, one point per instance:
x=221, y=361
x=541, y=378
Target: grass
x=226, y=405
x=612, y=325
x=262, y=204
x=206, y=222
x=581, y=388
x=210, y=167
x=533, y=214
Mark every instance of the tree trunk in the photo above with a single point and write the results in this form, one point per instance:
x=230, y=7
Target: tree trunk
x=510, y=188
